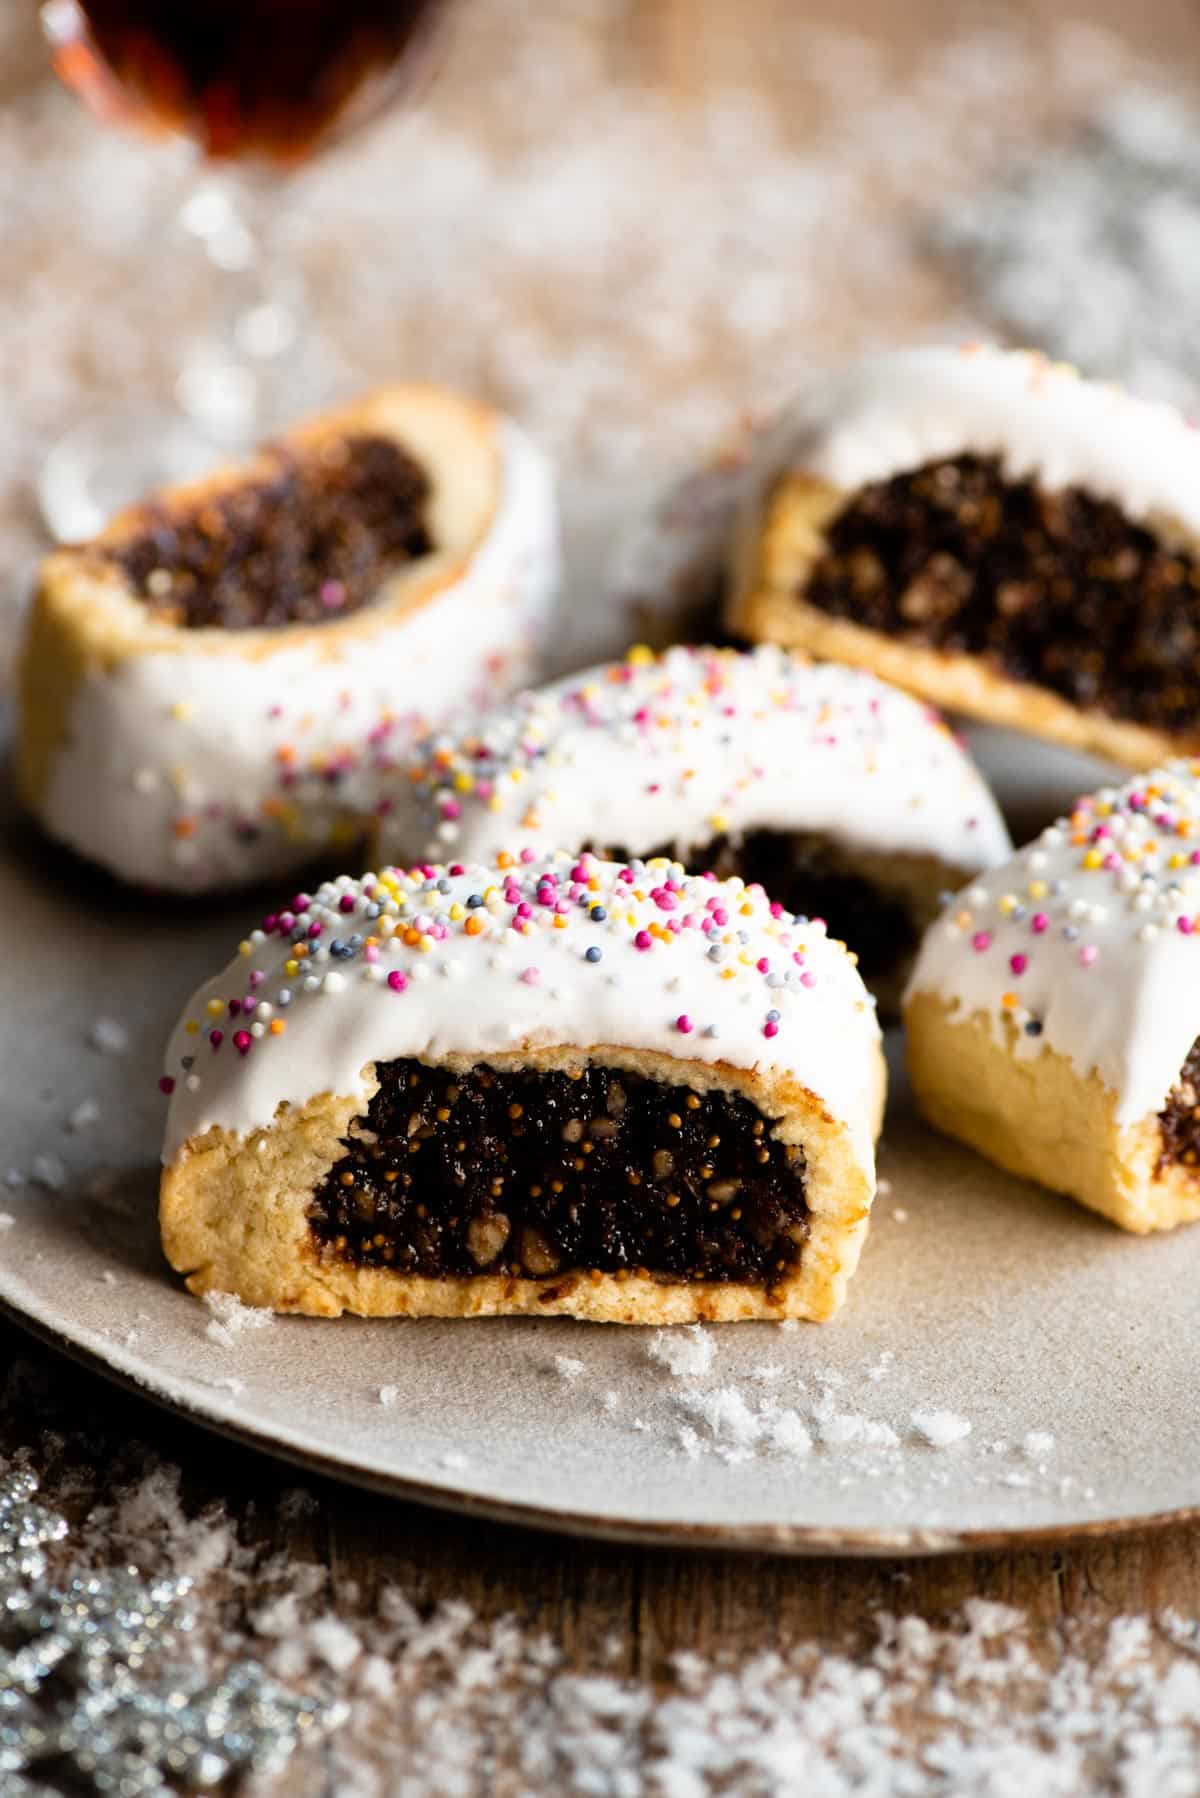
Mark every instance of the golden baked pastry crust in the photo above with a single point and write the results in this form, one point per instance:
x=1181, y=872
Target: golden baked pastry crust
x=234, y=1215
x=1040, y=1117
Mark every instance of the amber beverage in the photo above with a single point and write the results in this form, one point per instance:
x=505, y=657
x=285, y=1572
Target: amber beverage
x=265, y=79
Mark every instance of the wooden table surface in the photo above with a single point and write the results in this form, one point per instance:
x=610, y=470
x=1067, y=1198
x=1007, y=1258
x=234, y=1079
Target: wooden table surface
x=624, y=1608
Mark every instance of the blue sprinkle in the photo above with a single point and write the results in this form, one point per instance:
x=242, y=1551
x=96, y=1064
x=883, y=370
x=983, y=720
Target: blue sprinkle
x=374, y=911
x=1033, y=1027
x=1071, y=933
x=597, y=914
x=474, y=901
x=593, y=954
x=340, y=951
x=772, y=1016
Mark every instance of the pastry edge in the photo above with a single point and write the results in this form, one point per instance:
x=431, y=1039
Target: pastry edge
x=771, y=561
x=1044, y=1119
x=84, y=619
x=233, y=1214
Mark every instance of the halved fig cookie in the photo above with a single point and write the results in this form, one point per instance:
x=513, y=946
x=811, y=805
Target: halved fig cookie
x=846, y=799
x=212, y=689
x=547, y=1085
x=1053, y=1016
x=994, y=533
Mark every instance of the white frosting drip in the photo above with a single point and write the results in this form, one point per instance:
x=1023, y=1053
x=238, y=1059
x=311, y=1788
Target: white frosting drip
x=680, y=748
x=1102, y=912
x=688, y=966
x=173, y=760
x=890, y=413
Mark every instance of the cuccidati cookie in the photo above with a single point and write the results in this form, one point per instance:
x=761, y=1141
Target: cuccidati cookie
x=844, y=798
x=211, y=690
x=1053, y=1017
x=549, y=1085
x=993, y=532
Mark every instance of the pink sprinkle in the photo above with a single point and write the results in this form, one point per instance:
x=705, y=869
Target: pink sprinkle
x=720, y=915
x=1089, y=954
x=643, y=940
x=808, y=979
x=763, y=965
x=1018, y=963
x=1039, y=922
x=981, y=940
x=770, y=1029
x=528, y=855
x=242, y=1040
x=684, y=1024
x=1184, y=926
x=664, y=900
x=216, y=1038
x=166, y=1085
x=256, y=977
x=371, y=952
x=451, y=809
x=531, y=976
x=397, y=981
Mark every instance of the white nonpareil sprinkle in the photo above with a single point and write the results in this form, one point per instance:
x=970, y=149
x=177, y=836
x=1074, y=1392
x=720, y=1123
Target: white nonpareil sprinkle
x=686, y=1353
x=1037, y=1444
x=84, y=1115
x=7, y=1220
x=231, y=1319
x=388, y=1395
x=941, y=1428
x=568, y=1367
x=109, y=1035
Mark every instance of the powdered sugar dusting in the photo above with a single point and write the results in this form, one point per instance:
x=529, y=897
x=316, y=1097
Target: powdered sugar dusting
x=231, y=1319
x=685, y=1353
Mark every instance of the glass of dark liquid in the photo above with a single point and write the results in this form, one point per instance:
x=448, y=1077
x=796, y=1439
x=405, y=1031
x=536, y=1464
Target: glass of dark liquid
x=258, y=87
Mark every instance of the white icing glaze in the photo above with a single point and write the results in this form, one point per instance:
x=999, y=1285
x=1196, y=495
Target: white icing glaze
x=1102, y=912
x=679, y=748
x=172, y=760
x=889, y=413
x=685, y=965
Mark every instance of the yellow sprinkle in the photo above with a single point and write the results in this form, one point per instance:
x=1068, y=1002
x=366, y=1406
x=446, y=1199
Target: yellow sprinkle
x=425, y=945
x=728, y=973
x=1093, y=859
x=181, y=709
x=457, y=911
x=719, y=821
x=1038, y=889
x=192, y=1027
x=214, y=1008
x=245, y=948
x=640, y=656
x=291, y=967
x=463, y=783
x=1007, y=903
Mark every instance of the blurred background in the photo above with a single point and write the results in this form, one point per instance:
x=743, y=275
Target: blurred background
x=629, y=221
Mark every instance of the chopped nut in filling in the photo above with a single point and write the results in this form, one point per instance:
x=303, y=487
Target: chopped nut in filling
x=1179, y=1120
x=304, y=546
x=538, y=1174
x=1059, y=589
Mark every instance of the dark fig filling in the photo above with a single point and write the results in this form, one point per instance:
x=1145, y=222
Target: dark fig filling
x=305, y=546
x=1056, y=588
x=803, y=872
x=536, y=1174
x=1179, y=1120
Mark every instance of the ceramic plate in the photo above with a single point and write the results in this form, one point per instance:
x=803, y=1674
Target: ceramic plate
x=1008, y=1367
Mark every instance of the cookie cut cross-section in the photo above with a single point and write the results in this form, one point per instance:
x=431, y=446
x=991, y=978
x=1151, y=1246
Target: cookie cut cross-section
x=547, y=1084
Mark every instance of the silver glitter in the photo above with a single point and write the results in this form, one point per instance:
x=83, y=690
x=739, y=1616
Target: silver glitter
x=99, y=1689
